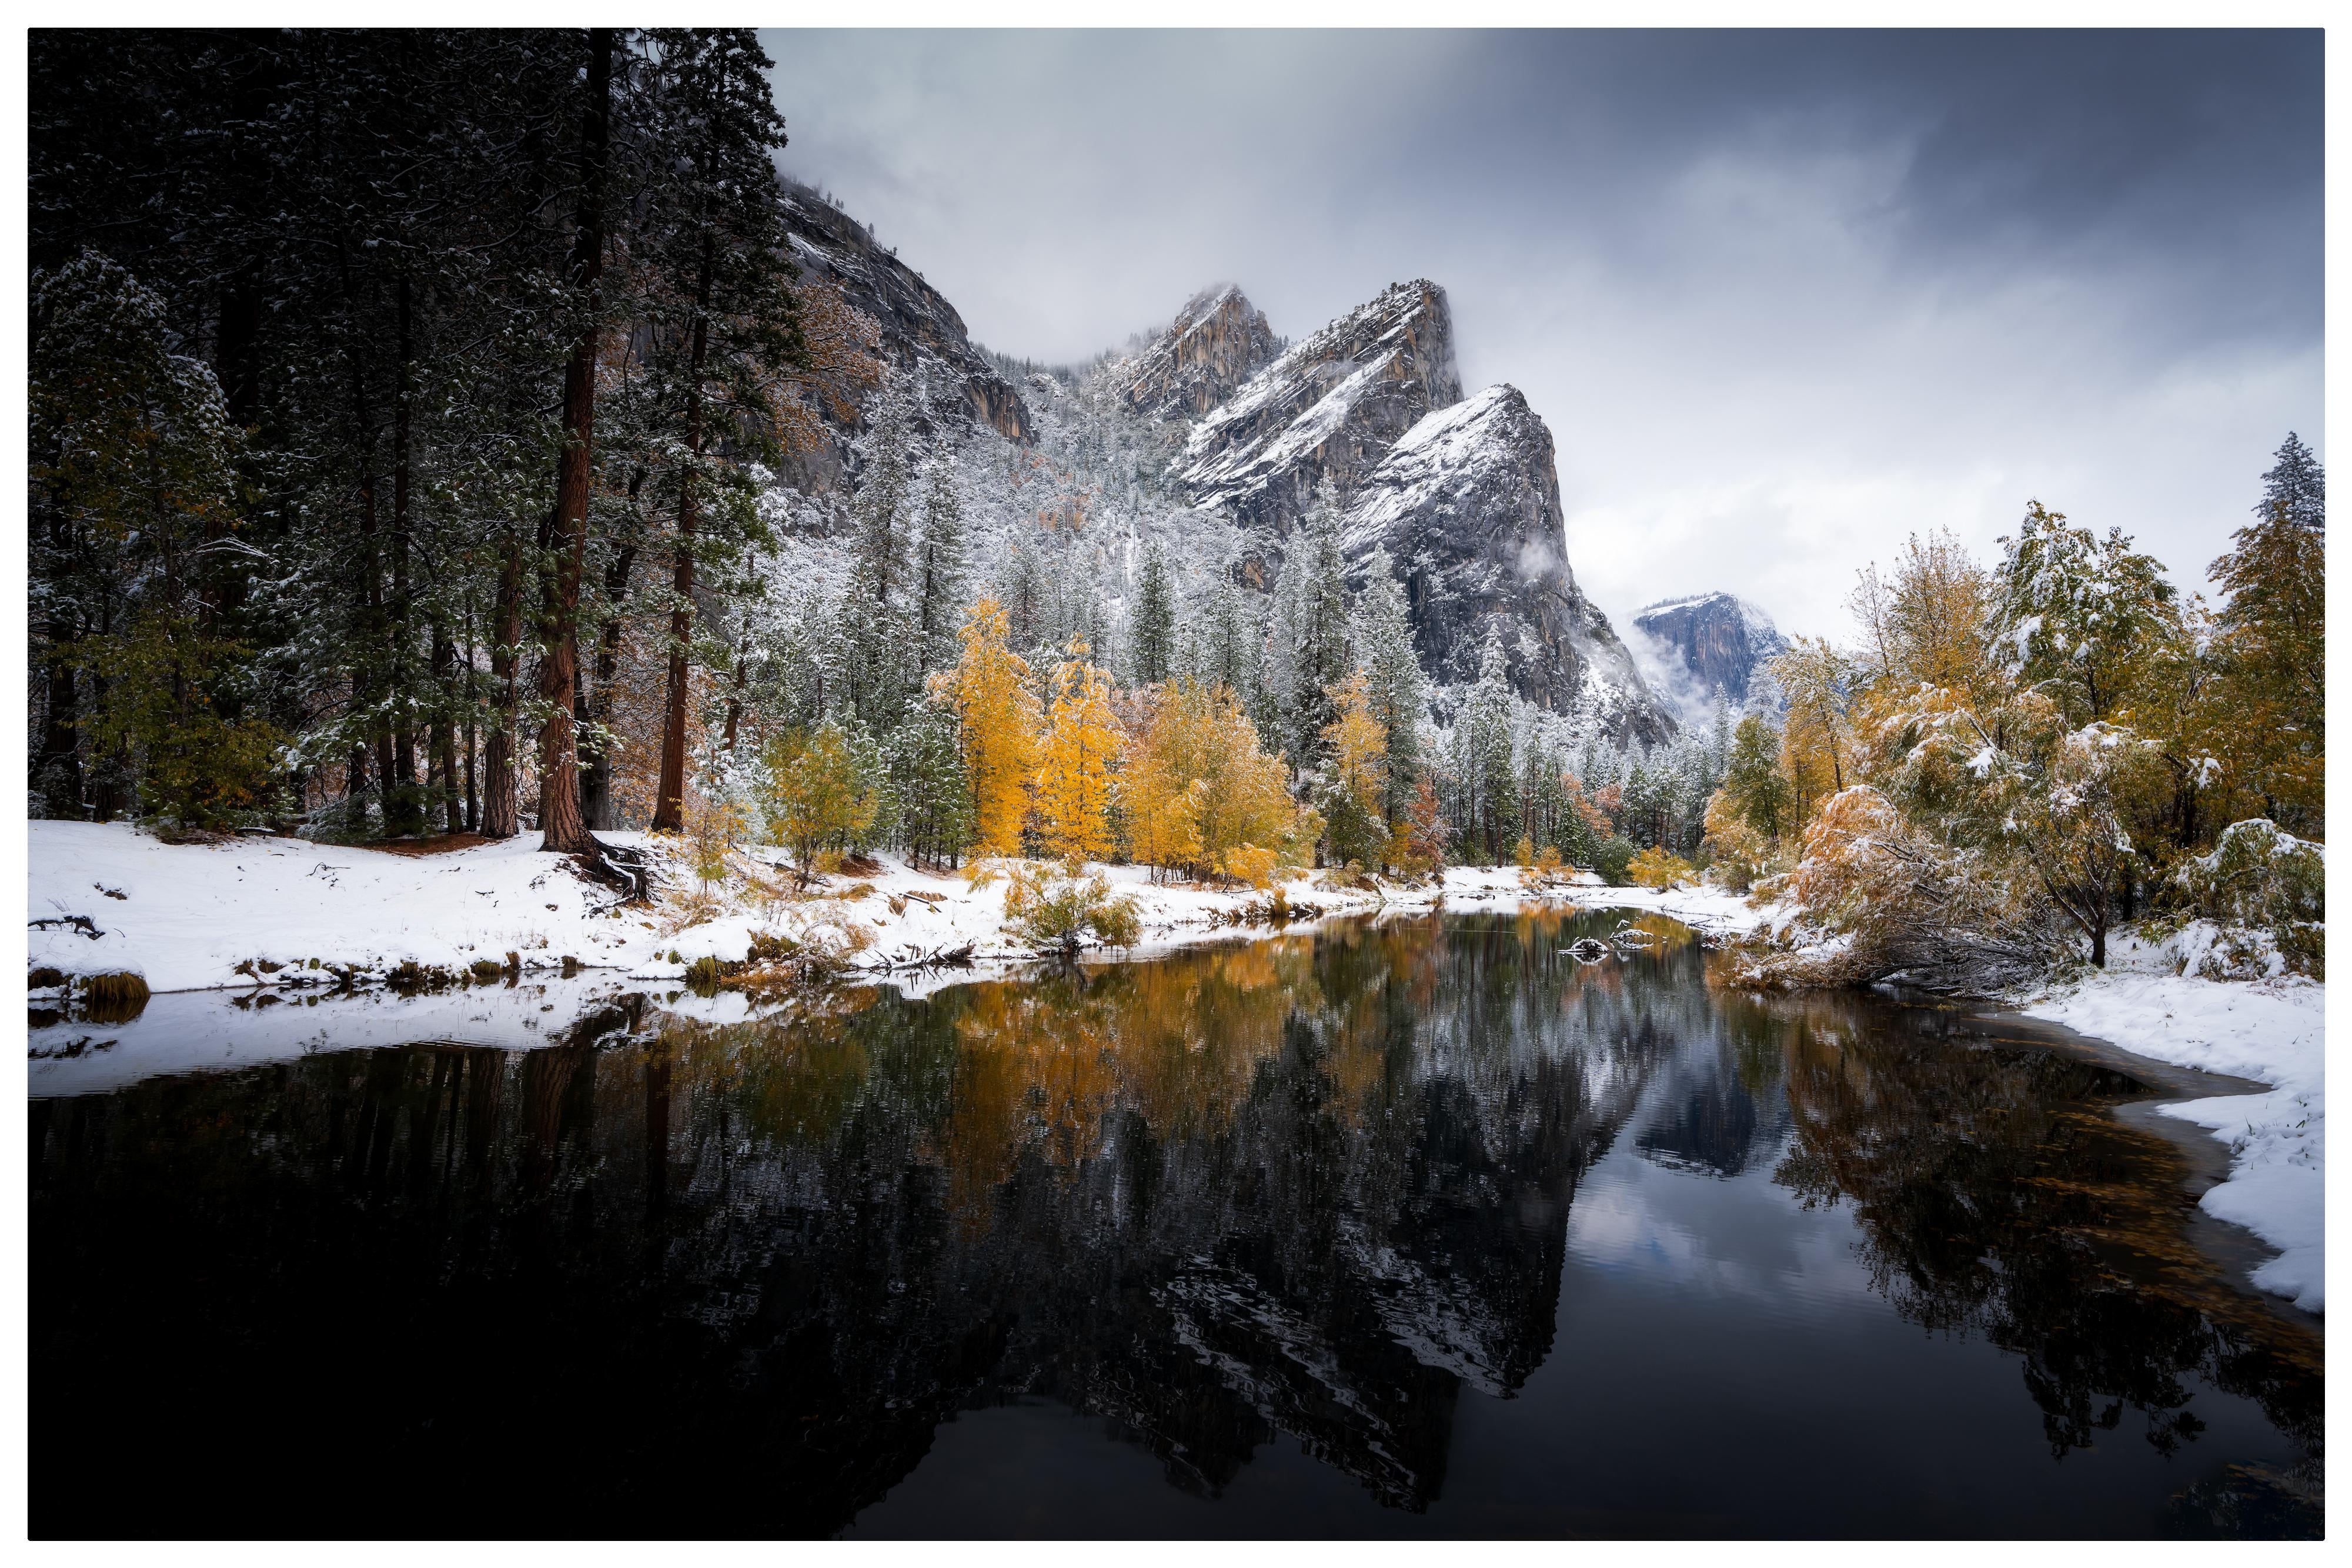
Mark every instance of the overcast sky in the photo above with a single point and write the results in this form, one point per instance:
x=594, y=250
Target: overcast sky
x=1781, y=297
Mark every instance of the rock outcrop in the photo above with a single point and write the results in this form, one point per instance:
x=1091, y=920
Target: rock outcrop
x=1330, y=408
x=1468, y=504
x=1720, y=642
x=1215, y=344
x=920, y=331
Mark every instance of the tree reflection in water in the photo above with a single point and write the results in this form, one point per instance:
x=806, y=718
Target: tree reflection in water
x=696, y=1278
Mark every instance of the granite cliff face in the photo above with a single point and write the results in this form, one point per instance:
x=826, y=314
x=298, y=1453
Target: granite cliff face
x=919, y=331
x=1331, y=407
x=1721, y=643
x=1467, y=505
x=1216, y=343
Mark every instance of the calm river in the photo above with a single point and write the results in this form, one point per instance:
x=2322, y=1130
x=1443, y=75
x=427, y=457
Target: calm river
x=1421, y=1229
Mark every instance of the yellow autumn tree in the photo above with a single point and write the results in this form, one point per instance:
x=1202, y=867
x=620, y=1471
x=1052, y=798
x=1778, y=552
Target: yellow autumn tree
x=989, y=690
x=1164, y=797
x=1074, y=775
x=1202, y=796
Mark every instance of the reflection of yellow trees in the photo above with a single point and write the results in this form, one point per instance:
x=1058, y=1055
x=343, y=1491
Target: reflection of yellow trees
x=1040, y=1065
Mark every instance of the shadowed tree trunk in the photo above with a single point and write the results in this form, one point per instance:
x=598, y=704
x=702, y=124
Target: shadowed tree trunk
x=561, y=827
x=444, y=728
x=502, y=816
x=669, y=807
x=597, y=761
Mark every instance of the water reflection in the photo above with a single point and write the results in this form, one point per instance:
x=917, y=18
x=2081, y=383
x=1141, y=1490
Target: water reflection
x=1316, y=1192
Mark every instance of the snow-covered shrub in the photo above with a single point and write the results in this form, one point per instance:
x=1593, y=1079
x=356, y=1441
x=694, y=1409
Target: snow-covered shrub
x=1885, y=899
x=1057, y=911
x=2261, y=897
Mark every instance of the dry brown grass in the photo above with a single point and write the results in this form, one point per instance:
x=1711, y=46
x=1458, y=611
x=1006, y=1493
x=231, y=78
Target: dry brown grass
x=434, y=844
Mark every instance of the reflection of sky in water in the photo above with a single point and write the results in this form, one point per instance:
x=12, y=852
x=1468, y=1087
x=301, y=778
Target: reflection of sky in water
x=1676, y=1211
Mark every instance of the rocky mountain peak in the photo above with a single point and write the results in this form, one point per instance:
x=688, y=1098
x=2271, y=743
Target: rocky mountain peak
x=1218, y=341
x=1711, y=647
x=1331, y=407
x=1467, y=505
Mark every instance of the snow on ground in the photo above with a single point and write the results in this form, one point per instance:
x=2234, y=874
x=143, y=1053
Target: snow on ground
x=2270, y=1030
x=197, y=916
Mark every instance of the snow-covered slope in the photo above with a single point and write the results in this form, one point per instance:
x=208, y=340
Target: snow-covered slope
x=1218, y=341
x=1710, y=647
x=1468, y=504
x=1332, y=406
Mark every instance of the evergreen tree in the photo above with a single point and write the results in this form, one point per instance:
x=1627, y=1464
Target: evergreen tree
x=934, y=794
x=133, y=507
x=939, y=567
x=722, y=320
x=1316, y=615
x=1154, y=636
x=1381, y=635
x=2076, y=612
x=878, y=669
x=2295, y=488
x=2271, y=648
x=1485, y=779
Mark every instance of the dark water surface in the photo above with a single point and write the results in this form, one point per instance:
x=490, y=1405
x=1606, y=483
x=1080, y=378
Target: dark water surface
x=1417, y=1229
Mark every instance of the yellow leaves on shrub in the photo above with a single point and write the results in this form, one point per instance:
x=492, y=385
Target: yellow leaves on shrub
x=1659, y=869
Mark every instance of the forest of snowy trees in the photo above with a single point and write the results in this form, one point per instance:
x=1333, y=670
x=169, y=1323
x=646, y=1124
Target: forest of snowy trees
x=407, y=413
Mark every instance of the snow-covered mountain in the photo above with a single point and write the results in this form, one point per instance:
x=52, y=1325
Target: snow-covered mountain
x=1211, y=443
x=1468, y=504
x=1711, y=647
x=1217, y=342
x=914, y=330
x=1331, y=407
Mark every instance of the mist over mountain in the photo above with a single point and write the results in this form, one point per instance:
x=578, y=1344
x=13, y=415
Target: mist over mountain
x=1703, y=649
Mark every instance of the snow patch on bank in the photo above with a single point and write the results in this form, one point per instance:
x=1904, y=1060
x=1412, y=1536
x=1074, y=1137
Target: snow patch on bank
x=2273, y=1031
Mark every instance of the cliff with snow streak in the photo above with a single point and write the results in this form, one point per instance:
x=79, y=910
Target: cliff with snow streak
x=917, y=332
x=1468, y=506
x=1215, y=344
x=1330, y=408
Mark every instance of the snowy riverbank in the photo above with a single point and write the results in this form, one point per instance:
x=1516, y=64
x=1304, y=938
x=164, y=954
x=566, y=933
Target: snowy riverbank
x=293, y=917
x=2273, y=1031
x=286, y=911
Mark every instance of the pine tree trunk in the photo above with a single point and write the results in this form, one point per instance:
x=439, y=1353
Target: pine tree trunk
x=58, y=770
x=735, y=698
x=561, y=828
x=500, y=805
x=402, y=813
x=596, y=765
x=670, y=803
x=443, y=730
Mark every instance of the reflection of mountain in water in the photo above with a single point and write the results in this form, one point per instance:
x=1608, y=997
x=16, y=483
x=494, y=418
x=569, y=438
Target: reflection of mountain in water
x=1309, y=1187
x=1305, y=1186
x=1702, y=1117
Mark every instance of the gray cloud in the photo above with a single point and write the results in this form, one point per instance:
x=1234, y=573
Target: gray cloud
x=1782, y=297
